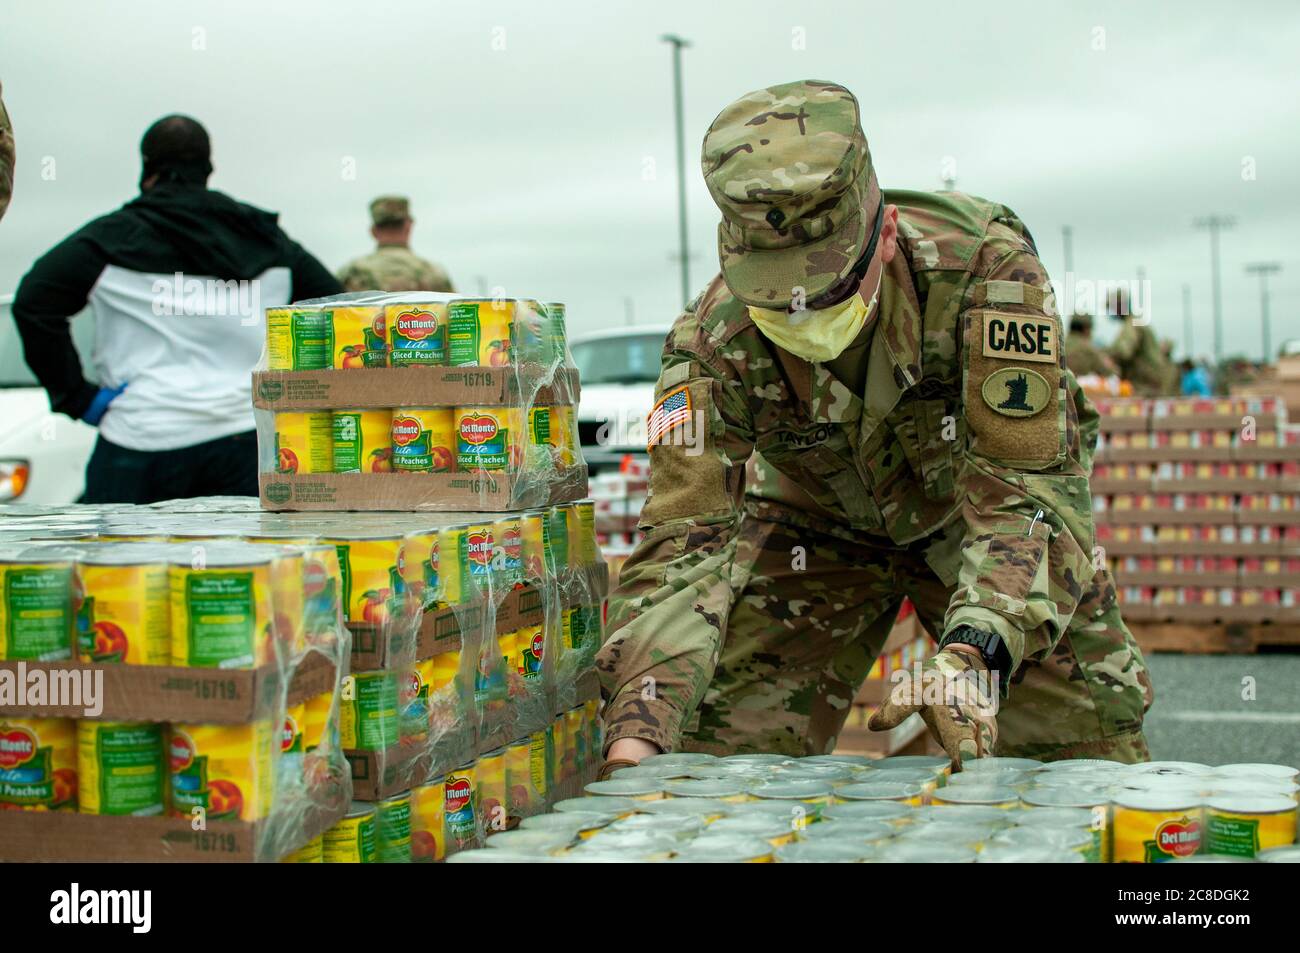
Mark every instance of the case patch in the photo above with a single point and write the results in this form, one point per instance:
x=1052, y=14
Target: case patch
x=1019, y=337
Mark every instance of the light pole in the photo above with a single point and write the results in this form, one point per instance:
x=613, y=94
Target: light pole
x=1215, y=224
x=1264, y=269
x=678, y=45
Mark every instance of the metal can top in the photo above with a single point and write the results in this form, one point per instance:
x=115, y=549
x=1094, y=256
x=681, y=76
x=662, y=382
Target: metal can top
x=724, y=849
x=531, y=841
x=913, y=760
x=572, y=821
x=498, y=856
x=1170, y=799
x=824, y=852
x=976, y=794
x=800, y=789
x=879, y=791
x=856, y=832
x=629, y=787
x=1077, y=817
x=1289, y=854
x=980, y=765
x=693, y=787
x=1083, y=795
x=1283, y=772
x=359, y=809
x=905, y=852
x=687, y=806
x=599, y=805
x=1009, y=854
x=890, y=811
x=1252, y=804
x=962, y=814
x=1070, y=838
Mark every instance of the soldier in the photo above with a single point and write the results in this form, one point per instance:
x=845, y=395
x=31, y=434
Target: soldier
x=392, y=266
x=1081, y=355
x=869, y=402
x=1135, y=350
x=7, y=157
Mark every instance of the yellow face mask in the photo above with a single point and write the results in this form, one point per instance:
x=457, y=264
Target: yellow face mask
x=816, y=335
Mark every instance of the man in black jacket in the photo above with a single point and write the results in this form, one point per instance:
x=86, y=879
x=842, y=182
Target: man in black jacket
x=177, y=279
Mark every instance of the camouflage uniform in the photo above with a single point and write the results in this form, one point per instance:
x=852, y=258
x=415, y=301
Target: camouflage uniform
x=1137, y=354
x=7, y=159
x=392, y=267
x=1082, y=356
x=775, y=560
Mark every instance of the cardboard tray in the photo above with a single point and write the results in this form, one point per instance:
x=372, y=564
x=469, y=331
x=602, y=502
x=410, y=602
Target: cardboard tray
x=412, y=492
x=384, y=387
x=43, y=836
x=171, y=693
x=440, y=628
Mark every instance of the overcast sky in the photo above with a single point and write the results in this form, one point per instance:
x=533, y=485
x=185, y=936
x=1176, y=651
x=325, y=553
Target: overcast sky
x=536, y=139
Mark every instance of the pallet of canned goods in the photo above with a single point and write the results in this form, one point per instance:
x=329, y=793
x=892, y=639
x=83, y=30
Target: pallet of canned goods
x=759, y=808
x=451, y=404
x=165, y=693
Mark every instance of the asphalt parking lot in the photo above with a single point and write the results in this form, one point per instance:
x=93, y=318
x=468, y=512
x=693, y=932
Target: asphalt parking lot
x=1220, y=709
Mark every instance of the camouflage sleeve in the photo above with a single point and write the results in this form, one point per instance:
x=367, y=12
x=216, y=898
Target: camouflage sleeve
x=436, y=279
x=1126, y=344
x=1027, y=553
x=668, y=612
x=354, y=278
x=7, y=159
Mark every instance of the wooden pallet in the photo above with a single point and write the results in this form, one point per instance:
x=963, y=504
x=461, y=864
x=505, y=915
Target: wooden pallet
x=1235, y=638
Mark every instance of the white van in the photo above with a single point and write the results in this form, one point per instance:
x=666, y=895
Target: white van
x=618, y=370
x=42, y=455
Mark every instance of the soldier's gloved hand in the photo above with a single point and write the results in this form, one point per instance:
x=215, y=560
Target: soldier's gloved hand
x=957, y=700
x=625, y=753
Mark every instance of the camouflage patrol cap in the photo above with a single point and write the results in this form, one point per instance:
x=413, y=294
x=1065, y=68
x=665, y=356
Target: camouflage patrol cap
x=790, y=170
x=390, y=210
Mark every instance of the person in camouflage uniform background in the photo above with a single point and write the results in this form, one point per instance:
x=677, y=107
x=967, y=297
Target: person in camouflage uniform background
x=925, y=460
x=392, y=266
x=1082, y=356
x=7, y=157
x=1137, y=352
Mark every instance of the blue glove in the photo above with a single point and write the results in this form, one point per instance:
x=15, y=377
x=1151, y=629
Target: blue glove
x=99, y=406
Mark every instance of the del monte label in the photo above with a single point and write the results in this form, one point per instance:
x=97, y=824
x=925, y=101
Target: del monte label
x=17, y=746
x=406, y=430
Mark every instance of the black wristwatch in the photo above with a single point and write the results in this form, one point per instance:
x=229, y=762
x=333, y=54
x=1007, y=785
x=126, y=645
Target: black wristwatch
x=992, y=649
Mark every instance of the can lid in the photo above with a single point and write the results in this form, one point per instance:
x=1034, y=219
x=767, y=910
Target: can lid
x=694, y=787
x=824, y=852
x=680, y=758
x=1070, y=838
x=853, y=760
x=630, y=787
x=890, y=811
x=998, y=764
x=501, y=855
x=798, y=790
x=755, y=759
x=757, y=825
x=1083, y=795
x=850, y=831
x=975, y=794
x=878, y=791
x=569, y=821
x=1184, y=768
x=531, y=840
x=681, y=826
x=724, y=849
x=912, y=852
x=1252, y=804
x=586, y=805
x=687, y=807
x=1013, y=854
x=1168, y=799
x=833, y=773
x=1289, y=854
x=962, y=814
x=1077, y=817
x=901, y=774
x=1282, y=772
x=359, y=809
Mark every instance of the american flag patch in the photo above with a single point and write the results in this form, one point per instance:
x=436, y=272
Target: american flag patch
x=673, y=410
